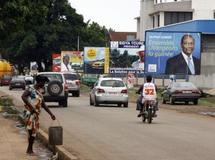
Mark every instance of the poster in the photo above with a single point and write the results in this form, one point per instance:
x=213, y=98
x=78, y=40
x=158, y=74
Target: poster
x=173, y=53
x=126, y=57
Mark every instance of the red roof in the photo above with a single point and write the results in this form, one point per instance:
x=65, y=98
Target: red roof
x=122, y=36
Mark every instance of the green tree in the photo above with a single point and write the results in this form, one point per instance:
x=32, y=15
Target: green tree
x=33, y=30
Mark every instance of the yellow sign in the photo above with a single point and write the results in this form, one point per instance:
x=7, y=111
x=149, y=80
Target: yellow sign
x=91, y=54
x=107, y=59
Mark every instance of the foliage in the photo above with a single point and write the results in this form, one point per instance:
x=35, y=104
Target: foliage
x=33, y=30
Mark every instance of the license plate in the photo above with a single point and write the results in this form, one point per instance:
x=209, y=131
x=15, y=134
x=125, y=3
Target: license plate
x=112, y=92
x=187, y=92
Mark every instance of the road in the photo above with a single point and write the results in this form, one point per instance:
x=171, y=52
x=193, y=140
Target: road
x=113, y=133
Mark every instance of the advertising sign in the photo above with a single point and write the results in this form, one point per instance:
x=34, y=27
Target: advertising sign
x=173, y=53
x=126, y=57
x=72, y=61
x=96, y=60
x=56, y=60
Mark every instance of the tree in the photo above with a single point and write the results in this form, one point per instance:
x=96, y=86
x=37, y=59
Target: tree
x=33, y=30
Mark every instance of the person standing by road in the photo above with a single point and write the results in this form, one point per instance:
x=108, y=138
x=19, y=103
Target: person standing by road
x=33, y=99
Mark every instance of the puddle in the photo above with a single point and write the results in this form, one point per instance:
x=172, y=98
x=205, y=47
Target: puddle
x=43, y=152
x=208, y=113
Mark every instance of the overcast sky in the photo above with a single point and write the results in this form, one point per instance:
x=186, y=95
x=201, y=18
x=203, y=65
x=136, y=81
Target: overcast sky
x=116, y=14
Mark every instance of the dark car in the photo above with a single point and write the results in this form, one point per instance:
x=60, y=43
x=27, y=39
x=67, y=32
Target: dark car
x=5, y=81
x=17, y=82
x=181, y=92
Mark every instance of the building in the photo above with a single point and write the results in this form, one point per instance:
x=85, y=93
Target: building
x=158, y=13
x=122, y=36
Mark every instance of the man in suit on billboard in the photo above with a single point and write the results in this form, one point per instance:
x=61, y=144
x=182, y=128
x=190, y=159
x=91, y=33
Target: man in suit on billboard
x=185, y=62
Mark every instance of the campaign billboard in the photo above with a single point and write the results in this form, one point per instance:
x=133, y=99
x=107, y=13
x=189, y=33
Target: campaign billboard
x=172, y=53
x=56, y=62
x=96, y=60
x=126, y=57
x=72, y=61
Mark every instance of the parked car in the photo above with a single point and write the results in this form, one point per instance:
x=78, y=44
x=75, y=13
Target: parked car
x=181, y=91
x=98, y=65
x=109, y=91
x=17, y=82
x=56, y=90
x=73, y=83
x=5, y=81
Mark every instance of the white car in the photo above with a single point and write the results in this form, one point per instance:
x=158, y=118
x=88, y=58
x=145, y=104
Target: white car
x=109, y=91
x=73, y=83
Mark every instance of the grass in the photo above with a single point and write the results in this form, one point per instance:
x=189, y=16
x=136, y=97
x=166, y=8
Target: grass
x=207, y=101
x=7, y=105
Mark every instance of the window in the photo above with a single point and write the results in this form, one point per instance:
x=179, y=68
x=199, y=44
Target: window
x=158, y=20
x=176, y=17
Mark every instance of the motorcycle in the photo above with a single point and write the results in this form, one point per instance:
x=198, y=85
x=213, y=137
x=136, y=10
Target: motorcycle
x=150, y=111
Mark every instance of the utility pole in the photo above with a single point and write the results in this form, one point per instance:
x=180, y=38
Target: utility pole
x=78, y=43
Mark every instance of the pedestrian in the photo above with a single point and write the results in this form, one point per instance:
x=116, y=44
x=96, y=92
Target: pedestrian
x=33, y=99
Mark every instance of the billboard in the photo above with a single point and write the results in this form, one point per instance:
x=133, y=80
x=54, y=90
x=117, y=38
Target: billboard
x=72, y=61
x=56, y=62
x=173, y=53
x=96, y=60
x=126, y=56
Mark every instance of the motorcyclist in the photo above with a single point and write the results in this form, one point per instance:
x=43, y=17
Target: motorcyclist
x=148, y=91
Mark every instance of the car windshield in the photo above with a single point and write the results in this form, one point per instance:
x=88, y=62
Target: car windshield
x=112, y=83
x=54, y=77
x=184, y=85
x=70, y=76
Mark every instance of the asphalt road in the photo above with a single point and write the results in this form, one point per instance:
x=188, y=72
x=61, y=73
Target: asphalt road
x=113, y=133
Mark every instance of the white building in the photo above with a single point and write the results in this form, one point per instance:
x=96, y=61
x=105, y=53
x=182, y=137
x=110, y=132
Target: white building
x=158, y=13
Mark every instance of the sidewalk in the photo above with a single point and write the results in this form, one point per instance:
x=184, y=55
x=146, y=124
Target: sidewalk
x=13, y=143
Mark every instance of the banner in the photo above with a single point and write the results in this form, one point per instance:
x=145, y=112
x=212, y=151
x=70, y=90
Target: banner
x=126, y=57
x=173, y=53
x=96, y=60
x=72, y=61
x=56, y=62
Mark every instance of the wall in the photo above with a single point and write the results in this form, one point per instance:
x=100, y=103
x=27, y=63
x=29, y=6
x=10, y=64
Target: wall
x=147, y=7
x=203, y=9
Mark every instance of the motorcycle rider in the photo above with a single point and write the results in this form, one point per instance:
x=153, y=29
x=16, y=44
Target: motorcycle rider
x=148, y=91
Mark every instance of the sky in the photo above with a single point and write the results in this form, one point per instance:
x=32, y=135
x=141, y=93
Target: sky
x=116, y=14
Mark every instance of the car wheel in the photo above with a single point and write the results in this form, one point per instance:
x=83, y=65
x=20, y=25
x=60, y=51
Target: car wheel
x=63, y=103
x=195, y=102
x=163, y=100
x=91, y=103
x=171, y=101
x=10, y=88
x=126, y=105
x=186, y=102
x=119, y=104
x=55, y=88
x=76, y=94
x=96, y=103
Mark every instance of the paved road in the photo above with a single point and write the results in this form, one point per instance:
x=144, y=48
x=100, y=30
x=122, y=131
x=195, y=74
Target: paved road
x=112, y=133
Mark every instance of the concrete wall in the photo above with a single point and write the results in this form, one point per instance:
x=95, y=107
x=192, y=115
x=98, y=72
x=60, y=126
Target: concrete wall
x=203, y=9
x=147, y=7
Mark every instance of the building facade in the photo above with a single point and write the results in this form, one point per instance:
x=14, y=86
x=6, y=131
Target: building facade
x=159, y=13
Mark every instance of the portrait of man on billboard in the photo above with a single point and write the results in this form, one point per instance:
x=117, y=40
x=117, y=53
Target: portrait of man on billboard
x=139, y=64
x=184, y=62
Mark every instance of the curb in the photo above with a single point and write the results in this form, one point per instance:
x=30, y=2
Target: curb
x=63, y=154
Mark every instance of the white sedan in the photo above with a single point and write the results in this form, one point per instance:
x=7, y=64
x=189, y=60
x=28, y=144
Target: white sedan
x=109, y=91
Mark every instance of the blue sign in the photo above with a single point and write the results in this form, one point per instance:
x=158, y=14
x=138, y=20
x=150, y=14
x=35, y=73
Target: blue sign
x=172, y=53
